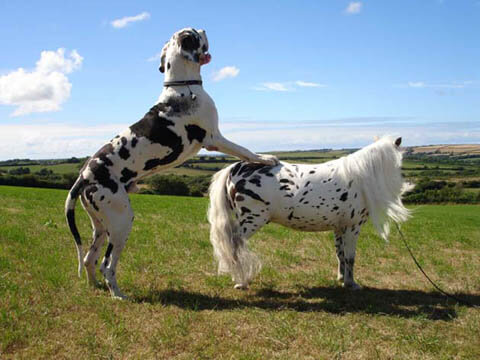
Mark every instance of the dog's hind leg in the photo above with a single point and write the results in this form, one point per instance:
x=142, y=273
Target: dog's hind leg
x=99, y=235
x=118, y=218
x=115, y=246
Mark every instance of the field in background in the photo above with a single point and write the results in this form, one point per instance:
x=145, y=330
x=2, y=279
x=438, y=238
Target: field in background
x=457, y=162
x=180, y=309
x=449, y=149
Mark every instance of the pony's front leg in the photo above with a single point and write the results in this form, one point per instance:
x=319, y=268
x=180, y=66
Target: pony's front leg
x=339, y=249
x=349, y=237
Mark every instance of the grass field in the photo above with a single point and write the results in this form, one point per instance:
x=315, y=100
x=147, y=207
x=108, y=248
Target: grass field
x=180, y=309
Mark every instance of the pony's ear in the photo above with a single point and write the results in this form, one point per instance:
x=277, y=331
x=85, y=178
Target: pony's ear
x=398, y=141
x=376, y=138
x=162, y=57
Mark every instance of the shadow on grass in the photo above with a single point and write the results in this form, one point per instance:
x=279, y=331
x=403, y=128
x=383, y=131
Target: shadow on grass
x=335, y=300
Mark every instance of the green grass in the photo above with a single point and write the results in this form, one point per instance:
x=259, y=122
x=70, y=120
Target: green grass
x=180, y=309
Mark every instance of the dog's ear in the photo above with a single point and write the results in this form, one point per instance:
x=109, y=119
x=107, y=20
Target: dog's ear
x=163, y=55
x=398, y=142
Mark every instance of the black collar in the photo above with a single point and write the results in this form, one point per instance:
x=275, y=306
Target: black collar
x=182, y=83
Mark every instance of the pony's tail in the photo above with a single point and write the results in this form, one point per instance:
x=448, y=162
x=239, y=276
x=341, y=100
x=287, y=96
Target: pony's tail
x=73, y=194
x=229, y=248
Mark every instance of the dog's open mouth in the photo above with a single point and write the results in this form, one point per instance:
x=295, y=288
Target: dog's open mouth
x=205, y=58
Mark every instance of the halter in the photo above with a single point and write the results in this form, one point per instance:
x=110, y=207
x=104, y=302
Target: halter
x=184, y=83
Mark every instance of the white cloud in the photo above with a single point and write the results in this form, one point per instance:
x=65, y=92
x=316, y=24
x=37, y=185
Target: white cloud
x=417, y=84
x=43, y=89
x=55, y=61
x=54, y=140
x=452, y=85
x=226, y=72
x=354, y=7
x=122, y=22
x=308, y=84
x=287, y=85
x=272, y=86
x=61, y=140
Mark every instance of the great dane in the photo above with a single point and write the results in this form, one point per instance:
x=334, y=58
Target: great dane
x=182, y=122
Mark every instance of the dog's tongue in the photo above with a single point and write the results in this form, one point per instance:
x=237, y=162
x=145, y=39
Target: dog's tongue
x=205, y=59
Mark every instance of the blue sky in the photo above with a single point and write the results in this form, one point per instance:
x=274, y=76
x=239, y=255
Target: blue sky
x=284, y=75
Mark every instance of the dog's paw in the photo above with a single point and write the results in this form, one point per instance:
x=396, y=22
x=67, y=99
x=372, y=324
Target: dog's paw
x=271, y=160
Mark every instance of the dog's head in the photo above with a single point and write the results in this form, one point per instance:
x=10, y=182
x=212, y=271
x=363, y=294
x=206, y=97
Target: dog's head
x=189, y=44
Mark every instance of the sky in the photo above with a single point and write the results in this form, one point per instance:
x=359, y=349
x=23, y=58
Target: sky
x=285, y=75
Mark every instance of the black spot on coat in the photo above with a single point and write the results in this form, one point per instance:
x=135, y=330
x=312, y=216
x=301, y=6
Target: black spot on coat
x=245, y=210
x=195, y=132
x=156, y=129
x=127, y=175
x=103, y=154
x=134, y=142
x=102, y=175
x=124, y=153
x=240, y=186
x=89, y=191
x=236, y=168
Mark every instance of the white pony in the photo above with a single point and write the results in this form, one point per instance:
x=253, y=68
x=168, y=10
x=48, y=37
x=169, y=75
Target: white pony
x=338, y=195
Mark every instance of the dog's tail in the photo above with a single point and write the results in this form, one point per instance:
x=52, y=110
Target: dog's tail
x=229, y=248
x=72, y=197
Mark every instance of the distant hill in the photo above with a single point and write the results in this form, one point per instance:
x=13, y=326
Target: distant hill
x=473, y=149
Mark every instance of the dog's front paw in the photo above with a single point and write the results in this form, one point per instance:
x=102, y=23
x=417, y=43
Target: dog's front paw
x=271, y=160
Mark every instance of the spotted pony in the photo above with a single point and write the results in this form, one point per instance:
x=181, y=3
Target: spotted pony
x=338, y=195
x=182, y=122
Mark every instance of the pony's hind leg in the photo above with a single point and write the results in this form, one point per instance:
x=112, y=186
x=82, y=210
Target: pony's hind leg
x=250, y=220
x=348, y=237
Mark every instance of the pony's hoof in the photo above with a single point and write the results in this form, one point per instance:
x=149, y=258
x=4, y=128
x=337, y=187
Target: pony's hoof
x=95, y=284
x=352, y=286
x=120, y=297
x=241, y=286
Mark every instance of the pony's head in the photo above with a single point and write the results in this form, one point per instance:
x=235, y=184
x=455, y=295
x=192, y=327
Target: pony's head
x=379, y=167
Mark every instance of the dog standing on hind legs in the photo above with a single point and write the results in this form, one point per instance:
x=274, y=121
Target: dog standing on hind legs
x=338, y=195
x=182, y=122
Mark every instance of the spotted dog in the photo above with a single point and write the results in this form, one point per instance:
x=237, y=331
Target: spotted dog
x=182, y=122
x=339, y=195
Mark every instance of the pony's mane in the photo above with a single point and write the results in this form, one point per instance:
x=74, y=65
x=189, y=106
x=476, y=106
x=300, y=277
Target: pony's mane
x=377, y=167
